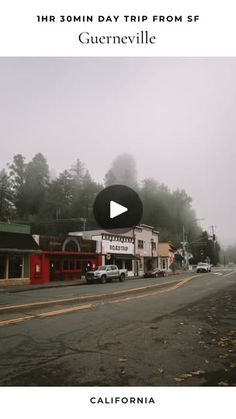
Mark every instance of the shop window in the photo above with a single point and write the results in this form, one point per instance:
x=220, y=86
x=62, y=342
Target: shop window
x=119, y=263
x=128, y=265
x=58, y=265
x=78, y=264
x=65, y=265
x=3, y=262
x=72, y=265
x=140, y=244
x=15, y=269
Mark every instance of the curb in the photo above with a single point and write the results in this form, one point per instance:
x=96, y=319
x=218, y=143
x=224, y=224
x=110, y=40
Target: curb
x=34, y=287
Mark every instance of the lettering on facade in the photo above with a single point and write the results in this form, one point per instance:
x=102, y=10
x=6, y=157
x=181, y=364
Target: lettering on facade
x=118, y=248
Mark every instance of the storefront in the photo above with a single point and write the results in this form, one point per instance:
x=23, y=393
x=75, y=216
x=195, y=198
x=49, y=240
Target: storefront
x=16, y=246
x=146, y=248
x=135, y=250
x=62, y=258
x=116, y=250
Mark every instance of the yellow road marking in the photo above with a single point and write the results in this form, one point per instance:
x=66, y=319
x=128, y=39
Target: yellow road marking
x=64, y=300
x=87, y=306
x=64, y=310
x=45, y=314
x=17, y=320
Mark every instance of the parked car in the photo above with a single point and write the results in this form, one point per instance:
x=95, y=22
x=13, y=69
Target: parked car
x=154, y=273
x=106, y=273
x=203, y=267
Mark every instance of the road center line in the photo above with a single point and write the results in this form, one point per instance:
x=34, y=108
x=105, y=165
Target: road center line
x=17, y=320
x=71, y=299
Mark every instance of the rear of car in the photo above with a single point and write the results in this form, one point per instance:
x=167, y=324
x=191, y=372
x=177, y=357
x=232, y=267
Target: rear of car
x=203, y=267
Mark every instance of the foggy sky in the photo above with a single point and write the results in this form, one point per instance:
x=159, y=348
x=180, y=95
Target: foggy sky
x=176, y=116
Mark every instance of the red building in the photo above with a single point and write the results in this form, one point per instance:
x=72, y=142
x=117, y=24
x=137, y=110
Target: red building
x=62, y=258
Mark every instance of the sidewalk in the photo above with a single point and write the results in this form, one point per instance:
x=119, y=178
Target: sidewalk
x=54, y=284
x=57, y=284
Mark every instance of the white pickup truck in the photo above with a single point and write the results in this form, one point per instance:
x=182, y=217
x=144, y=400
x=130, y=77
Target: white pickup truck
x=106, y=273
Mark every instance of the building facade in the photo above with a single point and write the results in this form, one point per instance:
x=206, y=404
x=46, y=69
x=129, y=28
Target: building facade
x=146, y=248
x=16, y=247
x=166, y=255
x=135, y=250
x=62, y=258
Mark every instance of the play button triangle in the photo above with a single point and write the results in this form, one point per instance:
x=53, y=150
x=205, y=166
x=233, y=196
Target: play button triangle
x=116, y=209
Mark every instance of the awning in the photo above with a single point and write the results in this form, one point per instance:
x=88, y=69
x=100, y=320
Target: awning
x=124, y=256
x=17, y=243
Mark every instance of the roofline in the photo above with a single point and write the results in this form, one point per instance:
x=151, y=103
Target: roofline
x=65, y=253
x=6, y=250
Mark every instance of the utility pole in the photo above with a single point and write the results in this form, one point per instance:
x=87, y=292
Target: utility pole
x=212, y=227
x=184, y=248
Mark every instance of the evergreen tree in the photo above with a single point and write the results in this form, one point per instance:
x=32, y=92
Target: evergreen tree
x=17, y=183
x=6, y=209
x=123, y=171
x=36, y=185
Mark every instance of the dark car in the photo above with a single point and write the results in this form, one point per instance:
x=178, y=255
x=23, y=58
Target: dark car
x=154, y=273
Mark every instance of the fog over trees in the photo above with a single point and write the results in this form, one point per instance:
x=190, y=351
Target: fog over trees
x=65, y=203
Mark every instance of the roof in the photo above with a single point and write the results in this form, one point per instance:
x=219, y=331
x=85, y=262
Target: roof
x=14, y=228
x=165, y=248
x=17, y=242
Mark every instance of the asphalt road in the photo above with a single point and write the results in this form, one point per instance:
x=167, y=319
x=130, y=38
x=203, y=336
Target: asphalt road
x=180, y=333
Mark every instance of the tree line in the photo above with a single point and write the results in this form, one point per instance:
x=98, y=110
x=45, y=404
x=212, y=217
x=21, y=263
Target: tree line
x=64, y=203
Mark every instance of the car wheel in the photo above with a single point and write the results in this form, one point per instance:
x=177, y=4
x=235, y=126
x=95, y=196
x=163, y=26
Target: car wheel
x=122, y=277
x=103, y=279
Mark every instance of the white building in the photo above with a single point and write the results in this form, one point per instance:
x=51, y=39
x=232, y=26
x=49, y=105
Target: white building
x=136, y=250
x=146, y=248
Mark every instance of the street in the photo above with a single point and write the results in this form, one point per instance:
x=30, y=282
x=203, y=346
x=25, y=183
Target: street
x=178, y=330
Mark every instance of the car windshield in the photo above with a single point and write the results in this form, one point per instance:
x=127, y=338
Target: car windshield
x=202, y=264
x=102, y=268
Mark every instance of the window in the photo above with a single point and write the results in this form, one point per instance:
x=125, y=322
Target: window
x=140, y=244
x=78, y=264
x=71, y=246
x=15, y=266
x=154, y=246
x=128, y=265
x=65, y=265
x=119, y=263
x=72, y=265
x=3, y=262
x=58, y=265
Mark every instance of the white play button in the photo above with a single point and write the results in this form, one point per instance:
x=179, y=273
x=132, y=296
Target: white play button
x=116, y=209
